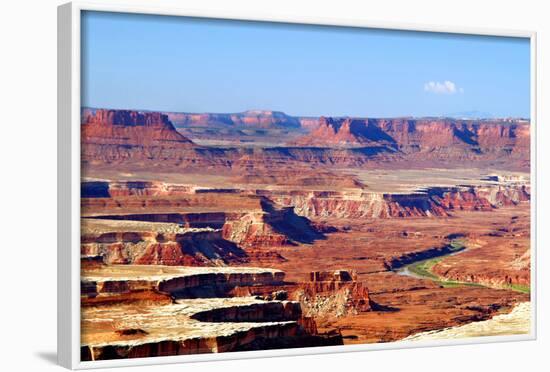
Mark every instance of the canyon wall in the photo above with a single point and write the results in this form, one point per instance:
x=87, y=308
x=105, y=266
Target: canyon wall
x=422, y=135
x=436, y=201
x=125, y=127
x=200, y=316
x=122, y=136
x=196, y=247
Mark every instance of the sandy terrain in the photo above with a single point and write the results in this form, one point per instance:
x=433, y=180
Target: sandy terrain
x=518, y=321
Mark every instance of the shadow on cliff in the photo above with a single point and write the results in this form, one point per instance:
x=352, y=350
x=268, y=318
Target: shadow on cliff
x=382, y=308
x=285, y=221
x=371, y=132
x=466, y=136
x=94, y=189
x=213, y=249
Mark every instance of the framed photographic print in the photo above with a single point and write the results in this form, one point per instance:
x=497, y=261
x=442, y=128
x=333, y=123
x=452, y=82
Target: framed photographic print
x=236, y=186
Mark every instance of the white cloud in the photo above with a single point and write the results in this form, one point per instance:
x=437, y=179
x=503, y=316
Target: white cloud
x=446, y=87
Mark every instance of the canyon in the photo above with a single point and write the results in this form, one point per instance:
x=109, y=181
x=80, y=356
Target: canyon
x=115, y=136
x=284, y=231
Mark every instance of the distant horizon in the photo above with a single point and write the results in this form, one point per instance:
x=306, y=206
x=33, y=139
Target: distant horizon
x=450, y=116
x=194, y=65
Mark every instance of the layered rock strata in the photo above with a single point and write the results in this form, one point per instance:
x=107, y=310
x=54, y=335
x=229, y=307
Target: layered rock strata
x=216, y=228
x=435, y=201
x=197, y=321
x=123, y=136
x=124, y=127
x=413, y=135
x=131, y=242
x=167, y=279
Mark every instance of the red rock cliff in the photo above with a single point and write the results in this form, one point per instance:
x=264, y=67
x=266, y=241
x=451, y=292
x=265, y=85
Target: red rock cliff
x=413, y=135
x=125, y=127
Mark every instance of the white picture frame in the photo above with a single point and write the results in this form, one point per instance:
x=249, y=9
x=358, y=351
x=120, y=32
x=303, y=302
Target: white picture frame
x=69, y=107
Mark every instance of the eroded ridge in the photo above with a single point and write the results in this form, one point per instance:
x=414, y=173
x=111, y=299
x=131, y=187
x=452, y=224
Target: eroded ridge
x=142, y=311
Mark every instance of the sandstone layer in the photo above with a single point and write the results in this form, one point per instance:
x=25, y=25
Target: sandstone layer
x=122, y=127
x=411, y=135
x=196, y=320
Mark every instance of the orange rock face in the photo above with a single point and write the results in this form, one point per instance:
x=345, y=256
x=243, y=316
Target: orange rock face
x=123, y=127
x=423, y=134
x=338, y=132
x=195, y=247
x=436, y=201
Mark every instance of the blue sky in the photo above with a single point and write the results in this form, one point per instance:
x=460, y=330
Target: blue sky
x=198, y=65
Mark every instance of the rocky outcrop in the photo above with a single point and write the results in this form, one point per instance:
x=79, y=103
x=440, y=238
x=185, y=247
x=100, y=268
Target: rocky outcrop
x=209, y=235
x=273, y=227
x=332, y=294
x=423, y=133
x=126, y=118
x=270, y=311
x=191, y=247
x=230, y=219
x=197, y=321
x=106, y=189
x=435, y=201
x=182, y=281
x=125, y=127
x=342, y=132
x=442, y=138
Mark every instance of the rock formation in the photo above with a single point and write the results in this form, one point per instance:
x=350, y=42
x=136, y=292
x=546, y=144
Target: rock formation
x=341, y=132
x=158, y=223
x=125, y=127
x=332, y=294
x=189, y=247
x=199, y=320
x=436, y=201
x=441, y=137
x=131, y=137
